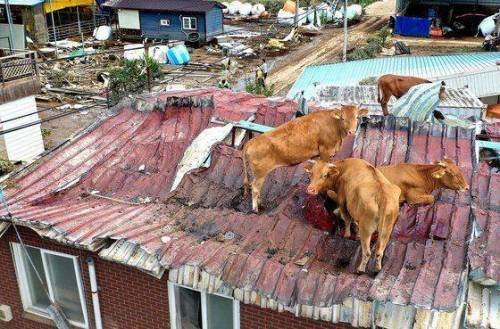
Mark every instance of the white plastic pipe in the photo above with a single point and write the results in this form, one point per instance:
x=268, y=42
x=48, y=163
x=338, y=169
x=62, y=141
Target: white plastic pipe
x=95, y=295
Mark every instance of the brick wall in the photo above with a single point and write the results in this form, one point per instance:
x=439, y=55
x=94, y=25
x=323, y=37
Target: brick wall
x=254, y=317
x=129, y=298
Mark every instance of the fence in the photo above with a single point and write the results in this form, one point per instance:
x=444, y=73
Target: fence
x=72, y=30
x=16, y=64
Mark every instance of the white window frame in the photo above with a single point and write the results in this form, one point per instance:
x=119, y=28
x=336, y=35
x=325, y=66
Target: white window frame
x=17, y=253
x=188, y=19
x=166, y=21
x=172, y=287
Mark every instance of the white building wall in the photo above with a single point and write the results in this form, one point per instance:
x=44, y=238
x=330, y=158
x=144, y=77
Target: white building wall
x=23, y=144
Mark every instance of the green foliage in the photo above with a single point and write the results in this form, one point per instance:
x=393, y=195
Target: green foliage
x=365, y=3
x=383, y=34
x=372, y=47
x=259, y=89
x=46, y=132
x=5, y=166
x=132, y=77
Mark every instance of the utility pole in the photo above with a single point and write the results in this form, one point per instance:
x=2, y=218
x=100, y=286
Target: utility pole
x=344, y=58
x=9, y=20
x=80, y=28
x=54, y=28
x=296, y=19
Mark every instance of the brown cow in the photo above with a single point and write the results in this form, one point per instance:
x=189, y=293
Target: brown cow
x=364, y=195
x=418, y=181
x=317, y=134
x=395, y=85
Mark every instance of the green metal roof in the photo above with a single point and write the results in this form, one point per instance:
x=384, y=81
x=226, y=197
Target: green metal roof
x=479, y=71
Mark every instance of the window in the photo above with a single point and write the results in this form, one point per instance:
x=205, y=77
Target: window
x=189, y=23
x=193, y=309
x=164, y=22
x=60, y=273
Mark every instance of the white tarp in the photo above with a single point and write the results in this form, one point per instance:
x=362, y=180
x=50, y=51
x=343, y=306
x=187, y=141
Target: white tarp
x=198, y=152
x=23, y=144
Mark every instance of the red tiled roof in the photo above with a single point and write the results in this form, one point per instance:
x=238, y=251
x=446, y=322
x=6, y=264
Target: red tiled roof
x=205, y=235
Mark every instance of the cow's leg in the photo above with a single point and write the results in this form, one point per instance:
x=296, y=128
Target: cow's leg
x=332, y=195
x=346, y=217
x=416, y=196
x=384, y=235
x=256, y=189
x=383, y=239
x=386, y=96
x=260, y=173
x=365, y=234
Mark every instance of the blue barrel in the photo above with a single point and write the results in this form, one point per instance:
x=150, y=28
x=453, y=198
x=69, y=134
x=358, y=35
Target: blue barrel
x=412, y=26
x=178, y=55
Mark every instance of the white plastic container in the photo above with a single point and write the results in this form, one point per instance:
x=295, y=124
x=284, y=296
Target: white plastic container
x=258, y=9
x=245, y=9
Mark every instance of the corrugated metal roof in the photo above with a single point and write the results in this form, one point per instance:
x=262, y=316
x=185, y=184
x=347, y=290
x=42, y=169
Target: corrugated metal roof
x=478, y=71
x=458, y=102
x=28, y=3
x=170, y=5
x=205, y=235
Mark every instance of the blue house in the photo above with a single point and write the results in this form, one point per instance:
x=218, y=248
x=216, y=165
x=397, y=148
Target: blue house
x=186, y=20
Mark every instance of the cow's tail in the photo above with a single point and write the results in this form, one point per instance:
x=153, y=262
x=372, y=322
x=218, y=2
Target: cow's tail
x=246, y=183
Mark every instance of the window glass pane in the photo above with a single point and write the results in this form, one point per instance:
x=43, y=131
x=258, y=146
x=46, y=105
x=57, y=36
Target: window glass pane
x=219, y=312
x=35, y=288
x=189, y=309
x=64, y=285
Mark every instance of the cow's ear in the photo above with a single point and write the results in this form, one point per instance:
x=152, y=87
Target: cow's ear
x=438, y=174
x=309, y=165
x=363, y=112
x=336, y=115
x=333, y=169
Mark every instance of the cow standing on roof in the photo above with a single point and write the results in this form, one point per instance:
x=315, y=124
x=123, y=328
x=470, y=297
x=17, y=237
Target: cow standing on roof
x=364, y=196
x=395, y=85
x=317, y=134
x=418, y=181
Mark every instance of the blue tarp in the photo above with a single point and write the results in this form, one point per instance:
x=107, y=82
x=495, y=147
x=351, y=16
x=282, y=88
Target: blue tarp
x=412, y=26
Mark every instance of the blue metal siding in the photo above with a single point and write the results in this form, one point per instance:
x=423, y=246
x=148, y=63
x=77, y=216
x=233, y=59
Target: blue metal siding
x=151, y=27
x=477, y=70
x=215, y=22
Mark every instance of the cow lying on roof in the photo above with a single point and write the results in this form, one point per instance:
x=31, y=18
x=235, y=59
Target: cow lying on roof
x=317, y=134
x=418, y=181
x=364, y=196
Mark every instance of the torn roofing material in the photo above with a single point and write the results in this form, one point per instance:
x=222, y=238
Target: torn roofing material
x=109, y=191
x=458, y=102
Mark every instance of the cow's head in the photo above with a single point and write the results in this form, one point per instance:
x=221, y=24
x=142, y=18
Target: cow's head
x=322, y=176
x=449, y=175
x=349, y=115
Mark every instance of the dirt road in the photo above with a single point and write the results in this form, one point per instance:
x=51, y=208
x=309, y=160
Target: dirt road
x=326, y=48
